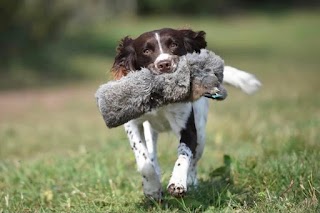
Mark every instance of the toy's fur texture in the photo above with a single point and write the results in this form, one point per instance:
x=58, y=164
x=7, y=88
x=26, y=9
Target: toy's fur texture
x=140, y=92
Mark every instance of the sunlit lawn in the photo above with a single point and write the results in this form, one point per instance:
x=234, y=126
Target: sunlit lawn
x=57, y=155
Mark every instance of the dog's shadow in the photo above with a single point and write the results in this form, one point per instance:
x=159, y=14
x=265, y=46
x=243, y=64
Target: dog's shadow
x=216, y=192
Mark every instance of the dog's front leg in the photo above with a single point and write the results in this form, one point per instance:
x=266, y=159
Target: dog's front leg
x=150, y=179
x=178, y=181
x=188, y=143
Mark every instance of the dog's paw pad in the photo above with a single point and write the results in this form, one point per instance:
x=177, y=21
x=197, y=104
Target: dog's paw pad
x=177, y=190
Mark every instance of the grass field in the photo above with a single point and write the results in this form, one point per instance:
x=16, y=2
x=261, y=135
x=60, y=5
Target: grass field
x=262, y=152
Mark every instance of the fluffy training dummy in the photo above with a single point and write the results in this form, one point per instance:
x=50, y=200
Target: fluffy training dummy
x=197, y=75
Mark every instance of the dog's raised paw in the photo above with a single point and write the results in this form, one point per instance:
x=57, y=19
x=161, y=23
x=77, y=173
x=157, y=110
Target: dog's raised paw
x=177, y=190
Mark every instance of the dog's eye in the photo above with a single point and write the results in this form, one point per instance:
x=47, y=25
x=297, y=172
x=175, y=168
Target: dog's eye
x=146, y=51
x=173, y=45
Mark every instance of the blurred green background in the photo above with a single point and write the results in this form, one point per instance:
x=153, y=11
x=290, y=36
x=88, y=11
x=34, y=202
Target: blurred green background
x=57, y=155
x=47, y=42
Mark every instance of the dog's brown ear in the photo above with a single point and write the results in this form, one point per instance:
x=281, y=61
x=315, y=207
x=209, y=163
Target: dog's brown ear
x=125, y=58
x=194, y=41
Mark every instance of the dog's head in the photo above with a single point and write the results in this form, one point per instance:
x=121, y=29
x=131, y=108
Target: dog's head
x=157, y=50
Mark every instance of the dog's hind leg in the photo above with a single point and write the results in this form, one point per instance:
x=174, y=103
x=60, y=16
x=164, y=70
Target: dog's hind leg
x=200, y=110
x=151, y=137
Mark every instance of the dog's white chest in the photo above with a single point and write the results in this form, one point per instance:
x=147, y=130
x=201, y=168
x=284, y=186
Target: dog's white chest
x=171, y=117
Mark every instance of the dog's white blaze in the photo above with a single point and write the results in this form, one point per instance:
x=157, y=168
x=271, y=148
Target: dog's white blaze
x=158, y=40
x=162, y=57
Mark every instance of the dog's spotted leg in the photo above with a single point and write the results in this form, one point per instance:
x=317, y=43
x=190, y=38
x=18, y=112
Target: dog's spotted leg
x=178, y=181
x=186, y=150
x=150, y=180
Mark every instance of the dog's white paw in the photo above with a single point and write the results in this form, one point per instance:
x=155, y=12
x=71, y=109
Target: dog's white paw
x=177, y=189
x=178, y=182
x=155, y=194
x=152, y=188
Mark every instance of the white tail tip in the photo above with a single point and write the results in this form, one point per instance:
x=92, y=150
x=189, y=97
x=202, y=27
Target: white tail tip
x=245, y=81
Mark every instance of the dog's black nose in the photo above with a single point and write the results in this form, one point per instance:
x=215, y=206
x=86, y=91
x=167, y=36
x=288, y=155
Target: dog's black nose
x=164, y=66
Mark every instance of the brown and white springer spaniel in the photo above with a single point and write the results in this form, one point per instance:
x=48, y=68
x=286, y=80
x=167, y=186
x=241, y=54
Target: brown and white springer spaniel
x=158, y=50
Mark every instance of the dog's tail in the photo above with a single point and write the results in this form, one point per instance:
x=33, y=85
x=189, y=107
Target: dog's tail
x=245, y=81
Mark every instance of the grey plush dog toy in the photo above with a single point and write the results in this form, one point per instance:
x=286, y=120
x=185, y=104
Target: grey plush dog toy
x=197, y=75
